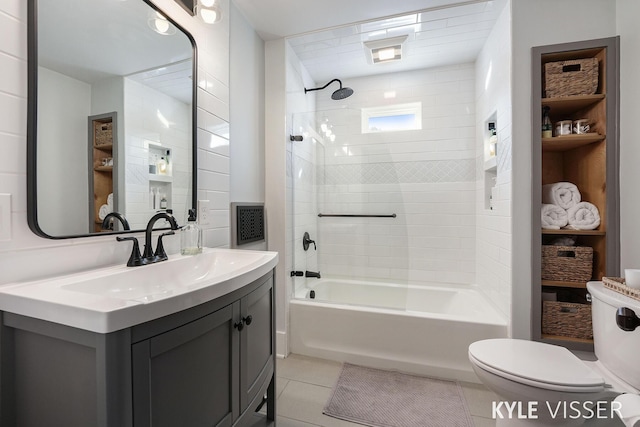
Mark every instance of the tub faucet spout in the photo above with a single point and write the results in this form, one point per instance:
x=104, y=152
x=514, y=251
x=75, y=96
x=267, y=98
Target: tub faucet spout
x=312, y=274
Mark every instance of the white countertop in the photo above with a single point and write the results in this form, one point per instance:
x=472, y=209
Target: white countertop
x=112, y=298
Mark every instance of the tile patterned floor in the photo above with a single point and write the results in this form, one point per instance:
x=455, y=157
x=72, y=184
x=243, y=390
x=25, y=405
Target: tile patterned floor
x=303, y=386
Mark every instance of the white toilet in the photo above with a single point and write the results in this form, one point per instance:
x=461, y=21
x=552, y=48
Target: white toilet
x=543, y=384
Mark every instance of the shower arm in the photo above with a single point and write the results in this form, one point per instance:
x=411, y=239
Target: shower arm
x=323, y=87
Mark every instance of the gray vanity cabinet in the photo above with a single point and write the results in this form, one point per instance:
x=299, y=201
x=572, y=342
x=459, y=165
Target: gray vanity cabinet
x=198, y=356
x=209, y=365
x=226, y=357
x=256, y=352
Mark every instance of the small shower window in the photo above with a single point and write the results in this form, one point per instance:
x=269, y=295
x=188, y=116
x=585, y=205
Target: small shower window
x=391, y=118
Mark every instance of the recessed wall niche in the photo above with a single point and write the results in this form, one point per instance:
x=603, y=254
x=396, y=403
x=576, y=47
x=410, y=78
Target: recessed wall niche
x=490, y=150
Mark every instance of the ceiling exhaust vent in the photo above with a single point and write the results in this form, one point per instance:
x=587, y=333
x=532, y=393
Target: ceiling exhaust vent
x=384, y=50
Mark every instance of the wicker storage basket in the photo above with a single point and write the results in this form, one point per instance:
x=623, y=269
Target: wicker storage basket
x=567, y=319
x=567, y=263
x=103, y=133
x=567, y=78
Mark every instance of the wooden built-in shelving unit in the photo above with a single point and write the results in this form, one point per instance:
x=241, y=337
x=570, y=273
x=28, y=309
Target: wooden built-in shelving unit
x=588, y=160
x=102, y=178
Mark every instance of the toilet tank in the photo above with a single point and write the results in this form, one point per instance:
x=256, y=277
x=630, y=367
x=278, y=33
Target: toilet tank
x=616, y=349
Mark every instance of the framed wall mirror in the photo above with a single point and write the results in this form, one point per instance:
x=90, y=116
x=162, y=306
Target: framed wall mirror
x=111, y=117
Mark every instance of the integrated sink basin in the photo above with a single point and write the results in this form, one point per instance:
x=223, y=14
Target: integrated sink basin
x=167, y=278
x=112, y=298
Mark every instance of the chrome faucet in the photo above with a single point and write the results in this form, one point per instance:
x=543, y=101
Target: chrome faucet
x=149, y=256
x=107, y=222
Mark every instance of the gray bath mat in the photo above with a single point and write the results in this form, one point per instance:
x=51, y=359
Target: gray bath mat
x=391, y=399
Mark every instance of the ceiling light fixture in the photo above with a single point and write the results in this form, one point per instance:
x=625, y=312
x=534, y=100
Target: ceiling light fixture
x=386, y=53
x=160, y=24
x=385, y=50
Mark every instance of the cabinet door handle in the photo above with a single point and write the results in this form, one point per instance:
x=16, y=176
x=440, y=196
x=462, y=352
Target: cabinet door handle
x=247, y=320
x=239, y=325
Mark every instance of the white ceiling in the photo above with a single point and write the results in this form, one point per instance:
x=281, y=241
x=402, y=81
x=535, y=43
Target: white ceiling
x=328, y=37
x=98, y=39
x=273, y=19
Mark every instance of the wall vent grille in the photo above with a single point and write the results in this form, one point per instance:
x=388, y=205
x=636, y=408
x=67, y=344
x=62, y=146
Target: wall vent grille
x=250, y=224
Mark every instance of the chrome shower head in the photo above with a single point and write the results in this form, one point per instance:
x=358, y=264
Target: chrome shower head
x=341, y=93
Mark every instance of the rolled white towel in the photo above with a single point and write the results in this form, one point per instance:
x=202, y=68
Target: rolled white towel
x=583, y=216
x=104, y=211
x=110, y=200
x=563, y=194
x=553, y=217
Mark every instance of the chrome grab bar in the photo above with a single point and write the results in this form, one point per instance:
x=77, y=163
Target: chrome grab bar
x=357, y=215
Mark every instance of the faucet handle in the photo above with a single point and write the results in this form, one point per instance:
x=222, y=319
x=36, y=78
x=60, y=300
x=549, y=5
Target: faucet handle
x=135, y=259
x=160, y=253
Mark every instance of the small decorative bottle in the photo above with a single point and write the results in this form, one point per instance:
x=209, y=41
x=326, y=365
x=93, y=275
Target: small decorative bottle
x=547, y=128
x=163, y=202
x=493, y=140
x=167, y=158
x=156, y=199
x=191, y=236
x=162, y=166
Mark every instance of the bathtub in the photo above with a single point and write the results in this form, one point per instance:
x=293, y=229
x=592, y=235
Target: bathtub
x=421, y=329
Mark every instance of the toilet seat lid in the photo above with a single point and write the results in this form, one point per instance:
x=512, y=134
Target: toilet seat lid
x=537, y=364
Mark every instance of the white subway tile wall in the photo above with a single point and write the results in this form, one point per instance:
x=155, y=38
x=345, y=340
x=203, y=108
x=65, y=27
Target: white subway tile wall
x=138, y=127
x=493, y=233
x=426, y=177
x=432, y=179
x=27, y=256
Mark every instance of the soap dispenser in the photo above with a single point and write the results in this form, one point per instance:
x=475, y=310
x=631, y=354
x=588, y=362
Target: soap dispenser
x=191, y=236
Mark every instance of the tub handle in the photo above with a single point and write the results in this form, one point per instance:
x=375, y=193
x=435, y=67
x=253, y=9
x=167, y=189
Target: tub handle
x=306, y=242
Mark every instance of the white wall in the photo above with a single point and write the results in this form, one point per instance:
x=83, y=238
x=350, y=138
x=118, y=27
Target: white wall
x=63, y=185
x=275, y=179
x=247, y=111
x=247, y=116
x=539, y=23
x=627, y=13
x=26, y=256
x=493, y=227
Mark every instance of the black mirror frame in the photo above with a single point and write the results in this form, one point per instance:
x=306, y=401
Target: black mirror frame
x=32, y=123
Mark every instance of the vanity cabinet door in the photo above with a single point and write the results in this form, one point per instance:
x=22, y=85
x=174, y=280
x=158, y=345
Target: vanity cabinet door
x=188, y=376
x=256, y=342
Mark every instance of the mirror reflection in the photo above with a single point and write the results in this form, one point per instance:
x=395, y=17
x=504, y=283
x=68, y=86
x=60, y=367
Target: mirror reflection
x=114, y=131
